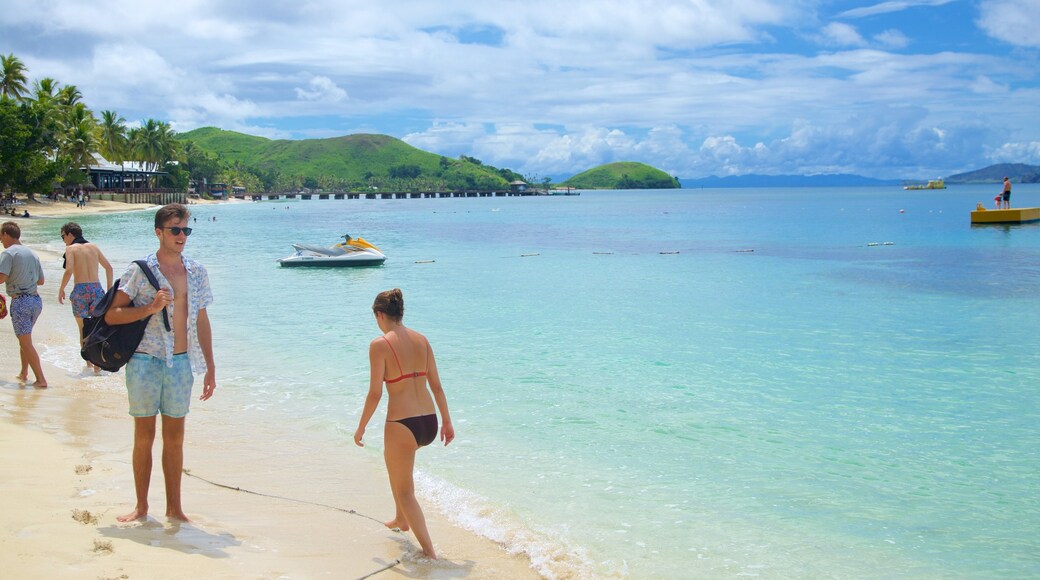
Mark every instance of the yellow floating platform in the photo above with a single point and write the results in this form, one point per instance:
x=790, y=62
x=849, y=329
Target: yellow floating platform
x=1018, y=215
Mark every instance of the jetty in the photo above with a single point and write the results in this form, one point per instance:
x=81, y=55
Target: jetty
x=389, y=194
x=1019, y=215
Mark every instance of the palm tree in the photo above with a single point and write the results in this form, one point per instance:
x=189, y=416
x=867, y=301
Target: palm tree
x=113, y=143
x=80, y=144
x=169, y=146
x=45, y=89
x=69, y=95
x=149, y=146
x=12, y=77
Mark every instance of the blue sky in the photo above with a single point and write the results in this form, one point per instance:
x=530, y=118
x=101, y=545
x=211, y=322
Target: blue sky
x=890, y=89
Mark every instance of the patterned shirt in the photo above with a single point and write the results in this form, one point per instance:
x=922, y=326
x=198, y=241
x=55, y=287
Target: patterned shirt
x=157, y=342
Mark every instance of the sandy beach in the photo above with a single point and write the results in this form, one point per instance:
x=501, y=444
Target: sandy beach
x=284, y=505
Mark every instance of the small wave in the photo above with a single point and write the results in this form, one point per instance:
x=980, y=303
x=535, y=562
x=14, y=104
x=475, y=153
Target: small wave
x=551, y=557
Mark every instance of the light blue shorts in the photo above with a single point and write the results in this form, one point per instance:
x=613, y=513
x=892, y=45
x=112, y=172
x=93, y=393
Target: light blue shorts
x=153, y=387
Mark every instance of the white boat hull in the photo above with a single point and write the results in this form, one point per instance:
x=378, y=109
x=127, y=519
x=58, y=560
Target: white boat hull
x=359, y=259
x=346, y=255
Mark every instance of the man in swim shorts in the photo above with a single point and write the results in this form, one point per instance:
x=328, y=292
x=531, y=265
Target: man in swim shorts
x=159, y=375
x=22, y=273
x=1007, y=193
x=82, y=259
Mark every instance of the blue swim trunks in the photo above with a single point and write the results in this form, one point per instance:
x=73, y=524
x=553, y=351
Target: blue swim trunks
x=152, y=387
x=25, y=309
x=84, y=296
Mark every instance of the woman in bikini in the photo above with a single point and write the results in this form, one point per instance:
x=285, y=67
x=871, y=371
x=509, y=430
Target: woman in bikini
x=403, y=359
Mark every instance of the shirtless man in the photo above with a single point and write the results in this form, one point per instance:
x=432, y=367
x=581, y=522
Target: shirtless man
x=160, y=375
x=82, y=259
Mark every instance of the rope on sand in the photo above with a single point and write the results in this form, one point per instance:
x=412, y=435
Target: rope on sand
x=303, y=501
x=324, y=505
x=383, y=569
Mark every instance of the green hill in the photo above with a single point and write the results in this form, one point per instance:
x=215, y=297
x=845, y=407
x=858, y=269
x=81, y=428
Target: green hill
x=1017, y=172
x=623, y=175
x=353, y=161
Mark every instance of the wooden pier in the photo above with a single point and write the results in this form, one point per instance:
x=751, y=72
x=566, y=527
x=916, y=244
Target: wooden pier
x=387, y=194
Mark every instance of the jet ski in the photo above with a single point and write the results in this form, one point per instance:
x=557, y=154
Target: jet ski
x=350, y=252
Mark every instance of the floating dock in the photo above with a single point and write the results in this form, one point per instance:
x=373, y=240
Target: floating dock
x=1018, y=215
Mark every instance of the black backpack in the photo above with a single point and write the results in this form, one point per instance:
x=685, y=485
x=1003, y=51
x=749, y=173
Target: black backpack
x=110, y=346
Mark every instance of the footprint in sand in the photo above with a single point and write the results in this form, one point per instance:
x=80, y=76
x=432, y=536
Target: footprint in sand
x=84, y=517
x=83, y=469
x=103, y=546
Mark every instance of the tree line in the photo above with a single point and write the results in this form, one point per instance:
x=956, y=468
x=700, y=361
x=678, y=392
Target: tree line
x=48, y=135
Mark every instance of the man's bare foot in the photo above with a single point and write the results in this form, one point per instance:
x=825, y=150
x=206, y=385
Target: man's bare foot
x=431, y=554
x=22, y=378
x=396, y=524
x=176, y=515
x=137, y=514
x=40, y=384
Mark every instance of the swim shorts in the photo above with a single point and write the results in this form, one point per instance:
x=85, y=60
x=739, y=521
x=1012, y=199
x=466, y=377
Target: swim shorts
x=84, y=296
x=1006, y=195
x=153, y=387
x=25, y=309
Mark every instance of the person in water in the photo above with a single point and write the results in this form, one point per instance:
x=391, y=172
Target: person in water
x=403, y=359
x=82, y=260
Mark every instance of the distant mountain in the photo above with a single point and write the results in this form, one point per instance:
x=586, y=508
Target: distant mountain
x=623, y=175
x=352, y=159
x=753, y=180
x=1017, y=172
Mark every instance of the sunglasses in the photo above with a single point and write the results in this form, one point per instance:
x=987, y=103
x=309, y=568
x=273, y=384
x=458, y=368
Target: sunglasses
x=176, y=230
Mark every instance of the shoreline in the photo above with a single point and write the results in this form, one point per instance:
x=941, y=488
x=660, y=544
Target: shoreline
x=53, y=209
x=283, y=502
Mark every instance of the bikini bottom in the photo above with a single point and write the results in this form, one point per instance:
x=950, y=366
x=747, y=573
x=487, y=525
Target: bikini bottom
x=423, y=428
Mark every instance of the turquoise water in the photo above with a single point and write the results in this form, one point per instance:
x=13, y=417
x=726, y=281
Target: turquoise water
x=778, y=398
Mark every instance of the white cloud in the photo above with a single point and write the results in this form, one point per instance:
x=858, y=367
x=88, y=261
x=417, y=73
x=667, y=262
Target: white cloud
x=1027, y=152
x=841, y=34
x=891, y=6
x=322, y=89
x=892, y=38
x=1015, y=22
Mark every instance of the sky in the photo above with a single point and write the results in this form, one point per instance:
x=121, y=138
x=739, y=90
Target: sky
x=907, y=89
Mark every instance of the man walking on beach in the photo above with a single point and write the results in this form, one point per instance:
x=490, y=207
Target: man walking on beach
x=82, y=259
x=22, y=272
x=159, y=375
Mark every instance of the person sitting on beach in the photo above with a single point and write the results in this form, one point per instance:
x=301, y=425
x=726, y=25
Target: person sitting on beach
x=411, y=420
x=82, y=259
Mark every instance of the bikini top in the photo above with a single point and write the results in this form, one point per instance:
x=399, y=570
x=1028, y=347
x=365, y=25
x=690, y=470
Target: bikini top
x=406, y=375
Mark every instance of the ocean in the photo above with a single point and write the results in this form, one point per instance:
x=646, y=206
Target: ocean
x=817, y=382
